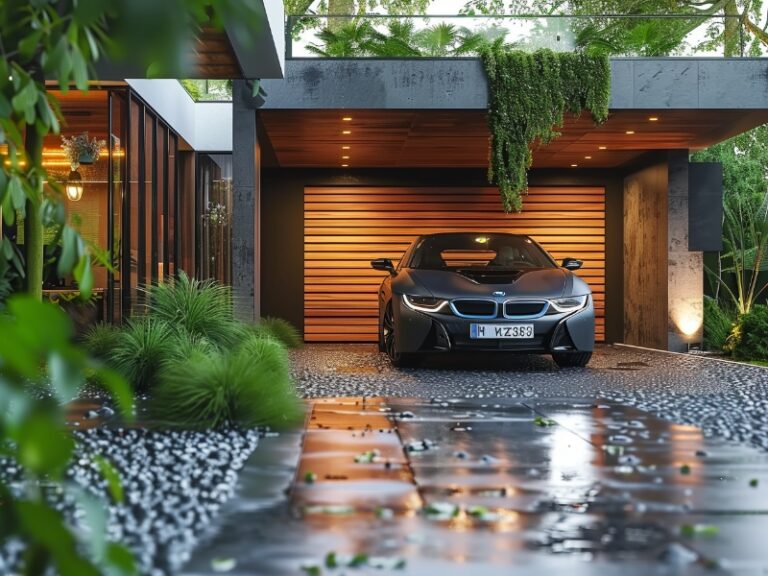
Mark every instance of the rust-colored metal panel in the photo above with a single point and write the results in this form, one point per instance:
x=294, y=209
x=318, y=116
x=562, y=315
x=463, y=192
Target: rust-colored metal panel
x=346, y=227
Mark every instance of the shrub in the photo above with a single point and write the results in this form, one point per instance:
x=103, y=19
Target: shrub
x=750, y=340
x=202, y=308
x=718, y=324
x=144, y=345
x=282, y=330
x=101, y=340
x=250, y=386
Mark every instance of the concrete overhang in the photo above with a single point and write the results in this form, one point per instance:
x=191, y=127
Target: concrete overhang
x=432, y=112
x=460, y=84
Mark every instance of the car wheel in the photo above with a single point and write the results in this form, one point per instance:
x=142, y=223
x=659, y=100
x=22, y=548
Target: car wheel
x=397, y=358
x=571, y=359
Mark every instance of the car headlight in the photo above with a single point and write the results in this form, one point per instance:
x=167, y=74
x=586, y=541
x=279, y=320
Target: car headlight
x=424, y=303
x=569, y=304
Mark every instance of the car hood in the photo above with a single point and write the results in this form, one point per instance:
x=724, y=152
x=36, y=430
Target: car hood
x=543, y=282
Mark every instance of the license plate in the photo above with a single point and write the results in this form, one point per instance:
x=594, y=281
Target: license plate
x=510, y=331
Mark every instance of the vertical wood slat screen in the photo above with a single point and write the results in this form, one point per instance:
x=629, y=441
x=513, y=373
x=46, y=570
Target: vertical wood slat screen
x=346, y=227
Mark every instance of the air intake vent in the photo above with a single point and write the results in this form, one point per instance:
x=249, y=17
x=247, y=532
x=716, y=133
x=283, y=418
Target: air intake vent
x=481, y=308
x=512, y=309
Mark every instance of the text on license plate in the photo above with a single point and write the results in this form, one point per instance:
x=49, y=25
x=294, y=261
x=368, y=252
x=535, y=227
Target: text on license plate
x=501, y=330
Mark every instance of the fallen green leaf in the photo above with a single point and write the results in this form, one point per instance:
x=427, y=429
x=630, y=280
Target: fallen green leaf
x=693, y=530
x=685, y=469
x=543, y=422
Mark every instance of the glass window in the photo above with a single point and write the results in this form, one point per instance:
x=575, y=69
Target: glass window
x=466, y=250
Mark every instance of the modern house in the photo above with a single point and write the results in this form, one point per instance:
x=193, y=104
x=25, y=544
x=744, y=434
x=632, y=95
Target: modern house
x=290, y=195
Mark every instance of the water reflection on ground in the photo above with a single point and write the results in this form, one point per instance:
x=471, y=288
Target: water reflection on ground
x=493, y=487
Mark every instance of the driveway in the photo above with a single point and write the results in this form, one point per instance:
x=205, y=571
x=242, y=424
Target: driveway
x=725, y=399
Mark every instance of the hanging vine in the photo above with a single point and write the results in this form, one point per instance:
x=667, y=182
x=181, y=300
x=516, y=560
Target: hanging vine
x=529, y=93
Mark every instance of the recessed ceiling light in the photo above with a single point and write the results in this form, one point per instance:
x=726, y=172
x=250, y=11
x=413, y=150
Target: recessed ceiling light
x=346, y=131
x=587, y=157
x=345, y=165
x=345, y=157
x=602, y=147
x=630, y=132
x=574, y=165
x=653, y=118
x=347, y=119
x=345, y=147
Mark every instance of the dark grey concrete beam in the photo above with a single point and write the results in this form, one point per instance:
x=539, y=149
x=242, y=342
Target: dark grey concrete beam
x=460, y=84
x=246, y=192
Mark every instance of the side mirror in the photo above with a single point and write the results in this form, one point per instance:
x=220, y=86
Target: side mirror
x=572, y=263
x=383, y=265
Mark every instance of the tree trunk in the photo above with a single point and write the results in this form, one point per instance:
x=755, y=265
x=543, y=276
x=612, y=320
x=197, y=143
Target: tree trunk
x=33, y=220
x=731, y=32
x=342, y=7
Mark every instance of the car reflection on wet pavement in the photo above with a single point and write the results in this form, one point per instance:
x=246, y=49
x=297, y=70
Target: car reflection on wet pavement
x=555, y=486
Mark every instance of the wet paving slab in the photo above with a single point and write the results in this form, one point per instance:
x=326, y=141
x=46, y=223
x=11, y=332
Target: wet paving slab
x=409, y=486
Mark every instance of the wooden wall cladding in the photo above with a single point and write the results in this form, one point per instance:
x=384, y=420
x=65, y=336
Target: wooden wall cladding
x=346, y=227
x=646, y=257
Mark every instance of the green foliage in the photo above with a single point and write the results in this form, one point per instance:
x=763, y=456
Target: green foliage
x=36, y=352
x=201, y=308
x=745, y=223
x=718, y=324
x=144, y=345
x=529, y=94
x=281, y=330
x=752, y=340
x=208, y=90
x=250, y=387
x=100, y=340
x=400, y=39
x=629, y=28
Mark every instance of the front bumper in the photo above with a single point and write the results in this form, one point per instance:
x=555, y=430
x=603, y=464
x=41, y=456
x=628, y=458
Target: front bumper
x=443, y=331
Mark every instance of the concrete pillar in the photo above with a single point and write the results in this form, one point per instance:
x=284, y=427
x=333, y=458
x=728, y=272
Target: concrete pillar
x=246, y=210
x=685, y=269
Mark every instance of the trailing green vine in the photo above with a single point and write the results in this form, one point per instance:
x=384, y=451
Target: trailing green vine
x=529, y=94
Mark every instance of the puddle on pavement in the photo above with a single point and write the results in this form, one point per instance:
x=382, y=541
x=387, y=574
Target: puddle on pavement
x=493, y=487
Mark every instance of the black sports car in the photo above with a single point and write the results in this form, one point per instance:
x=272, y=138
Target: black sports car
x=483, y=292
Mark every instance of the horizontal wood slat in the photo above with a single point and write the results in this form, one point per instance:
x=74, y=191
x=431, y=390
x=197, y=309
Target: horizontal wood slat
x=346, y=227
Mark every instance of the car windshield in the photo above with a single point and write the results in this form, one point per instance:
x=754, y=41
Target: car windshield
x=478, y=251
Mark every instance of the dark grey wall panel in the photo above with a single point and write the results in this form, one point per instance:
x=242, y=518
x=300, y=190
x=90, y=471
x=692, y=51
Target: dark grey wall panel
x=705, y=206
x=460, y=83
x=364, y=83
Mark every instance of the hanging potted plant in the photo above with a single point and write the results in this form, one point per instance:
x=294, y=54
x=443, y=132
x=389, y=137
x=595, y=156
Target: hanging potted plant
x=81, y=150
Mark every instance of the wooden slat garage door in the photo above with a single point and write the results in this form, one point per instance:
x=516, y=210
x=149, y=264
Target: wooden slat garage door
x=346, y=227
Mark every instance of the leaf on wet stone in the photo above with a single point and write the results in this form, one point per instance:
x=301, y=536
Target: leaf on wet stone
x=221, y=565
x=685, y=469
x=330, y=560
x=693, y=530
x=753, y=483
x=310, y=477
x=543, y=422
x=312, y=570
x=358, y=560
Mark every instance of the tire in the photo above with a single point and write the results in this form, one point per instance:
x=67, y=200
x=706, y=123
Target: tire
x=571, y=359
x=387, y=342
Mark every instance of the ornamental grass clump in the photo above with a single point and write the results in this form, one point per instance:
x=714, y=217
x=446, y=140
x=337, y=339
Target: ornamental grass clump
x=250, y=386
x=202, y=308
x=281, y=330
x=144, y=345
x=101, y=339
x=529, y=94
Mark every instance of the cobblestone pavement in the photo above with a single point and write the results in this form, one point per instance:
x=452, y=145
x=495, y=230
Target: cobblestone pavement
x=725, y=399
